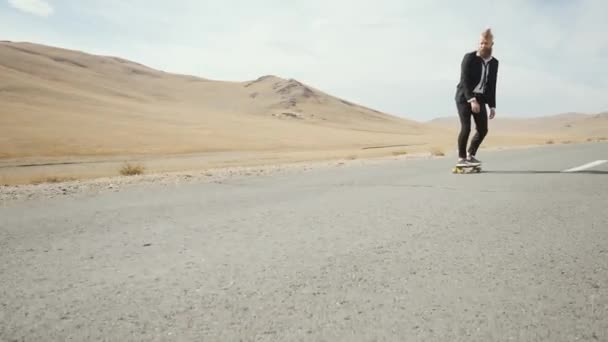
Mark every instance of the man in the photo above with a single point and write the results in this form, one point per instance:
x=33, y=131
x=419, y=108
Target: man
x=476, y=90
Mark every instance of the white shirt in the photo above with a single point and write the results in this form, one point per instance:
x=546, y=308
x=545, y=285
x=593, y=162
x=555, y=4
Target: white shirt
x=485, y=70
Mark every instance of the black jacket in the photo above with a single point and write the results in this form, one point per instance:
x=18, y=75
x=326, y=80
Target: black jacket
x=470, y=74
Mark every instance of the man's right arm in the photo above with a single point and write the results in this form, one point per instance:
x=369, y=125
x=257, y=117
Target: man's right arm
x=464, y=77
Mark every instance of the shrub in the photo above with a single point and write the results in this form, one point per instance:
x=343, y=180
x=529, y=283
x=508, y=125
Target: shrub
x=131, y=170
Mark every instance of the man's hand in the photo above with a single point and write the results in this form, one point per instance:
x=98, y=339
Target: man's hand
x=492, y=113
x=475, y=106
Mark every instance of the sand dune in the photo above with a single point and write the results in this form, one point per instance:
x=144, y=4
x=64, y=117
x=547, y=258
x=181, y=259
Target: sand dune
x=62, y=105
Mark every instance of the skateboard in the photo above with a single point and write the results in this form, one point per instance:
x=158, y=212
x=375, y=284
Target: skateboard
x=466, y=168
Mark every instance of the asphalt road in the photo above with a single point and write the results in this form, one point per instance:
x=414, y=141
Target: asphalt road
x=395, y=251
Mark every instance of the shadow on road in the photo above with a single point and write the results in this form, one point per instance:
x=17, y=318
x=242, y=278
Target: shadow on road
x=524, y=172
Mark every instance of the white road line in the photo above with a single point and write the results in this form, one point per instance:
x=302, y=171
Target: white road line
x=586, y=166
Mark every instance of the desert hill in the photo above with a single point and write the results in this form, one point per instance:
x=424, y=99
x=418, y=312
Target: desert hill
x=564, y=126
x=59, y=102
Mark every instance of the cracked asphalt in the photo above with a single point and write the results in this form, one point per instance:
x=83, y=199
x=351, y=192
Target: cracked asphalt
x=396, y=251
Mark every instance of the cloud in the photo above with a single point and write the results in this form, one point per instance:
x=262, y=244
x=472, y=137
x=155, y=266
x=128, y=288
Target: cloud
x=35, y=7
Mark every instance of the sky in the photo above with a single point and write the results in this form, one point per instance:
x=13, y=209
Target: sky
x=398, y=56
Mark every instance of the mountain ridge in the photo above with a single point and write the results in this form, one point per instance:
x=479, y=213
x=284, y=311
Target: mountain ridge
x=122, y=107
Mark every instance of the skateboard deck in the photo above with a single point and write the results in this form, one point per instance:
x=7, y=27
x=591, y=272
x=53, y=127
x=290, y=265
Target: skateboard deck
x=466, y=168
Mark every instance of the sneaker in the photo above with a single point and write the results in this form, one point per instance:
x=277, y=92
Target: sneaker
x=473, y=160
x=462, y=162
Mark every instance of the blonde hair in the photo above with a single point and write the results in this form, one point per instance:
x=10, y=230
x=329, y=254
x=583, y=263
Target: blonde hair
x=487, y=34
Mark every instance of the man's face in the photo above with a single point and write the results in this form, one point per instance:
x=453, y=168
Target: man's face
x=485, y=47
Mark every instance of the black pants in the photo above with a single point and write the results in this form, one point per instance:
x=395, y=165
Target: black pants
x=481, y=125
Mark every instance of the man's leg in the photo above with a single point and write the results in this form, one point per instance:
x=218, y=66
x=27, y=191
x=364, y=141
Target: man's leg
x=481, y=125
x=464, y=112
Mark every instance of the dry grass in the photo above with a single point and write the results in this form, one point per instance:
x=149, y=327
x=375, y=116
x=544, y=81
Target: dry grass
x=597, y=139
x=399, y=153
x=567, y=142
x=52, y=179
x=351, y=157
x=131, y=170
